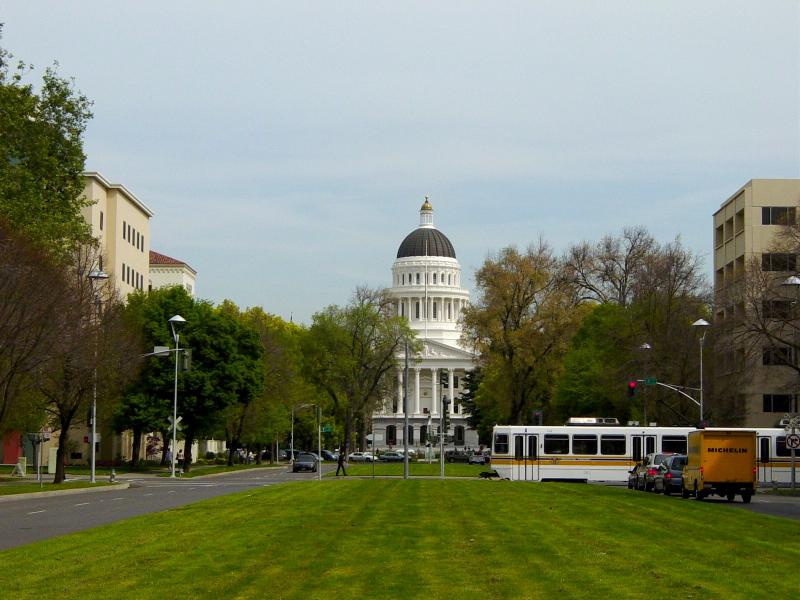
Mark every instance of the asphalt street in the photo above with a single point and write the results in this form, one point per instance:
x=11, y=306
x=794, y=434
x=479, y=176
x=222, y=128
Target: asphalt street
x=30, y=519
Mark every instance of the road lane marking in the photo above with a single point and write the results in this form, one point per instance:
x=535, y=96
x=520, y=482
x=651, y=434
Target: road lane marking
x=36, y=512
x=118, y=498
x=147, y=494
x=82, y=504
x=170, y=491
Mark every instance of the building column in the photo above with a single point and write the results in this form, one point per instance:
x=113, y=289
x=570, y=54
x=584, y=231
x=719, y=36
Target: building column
x=452, y=391
x=399, y=410
x=416, y=391
x=434, y=387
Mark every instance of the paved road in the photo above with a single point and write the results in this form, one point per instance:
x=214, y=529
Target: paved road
x=28, y=520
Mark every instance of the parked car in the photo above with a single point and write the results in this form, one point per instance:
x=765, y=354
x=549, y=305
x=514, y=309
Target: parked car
x=328, y=455
x=360, y=457
x=642, y=476
x=669, y=476
x=305, y=461
x=391, y=456
x=478, y=459
x=454, y=456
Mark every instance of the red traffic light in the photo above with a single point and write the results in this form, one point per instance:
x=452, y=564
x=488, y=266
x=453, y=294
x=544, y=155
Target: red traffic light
x=631, y=388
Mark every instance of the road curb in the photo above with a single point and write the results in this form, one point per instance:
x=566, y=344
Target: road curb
x=49, y=493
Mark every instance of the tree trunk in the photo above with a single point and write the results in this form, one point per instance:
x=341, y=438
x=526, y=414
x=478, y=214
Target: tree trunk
x=258, y=453
x=137, y=446
x=165, y=441
x=188, y=440
x=63, y=438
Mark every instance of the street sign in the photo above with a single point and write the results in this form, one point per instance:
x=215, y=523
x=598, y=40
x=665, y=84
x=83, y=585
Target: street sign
x=326, y=429
x=793, y=441
x=46, y=433
x=178, y=422
x=650, y=381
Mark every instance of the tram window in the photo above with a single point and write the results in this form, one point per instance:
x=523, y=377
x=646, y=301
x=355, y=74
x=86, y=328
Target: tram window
x=501, y=443
x=584, y=444
x=556, y=444
x=612, y=444
x=518, y=448
x=782, y=450
x=673, y=443
x=650, y=444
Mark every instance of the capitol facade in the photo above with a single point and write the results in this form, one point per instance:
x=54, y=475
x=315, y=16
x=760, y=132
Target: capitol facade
x=426, y=290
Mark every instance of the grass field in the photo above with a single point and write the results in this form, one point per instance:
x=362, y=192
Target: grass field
x=419, y=469
x=7, y=489
x=420, y=539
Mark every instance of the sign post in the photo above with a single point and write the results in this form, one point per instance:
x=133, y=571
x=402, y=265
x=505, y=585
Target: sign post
x=792, y=441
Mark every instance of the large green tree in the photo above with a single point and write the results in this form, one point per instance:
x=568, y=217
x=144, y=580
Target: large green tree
x=351, y=353
x=520, y=323
x=41, y=156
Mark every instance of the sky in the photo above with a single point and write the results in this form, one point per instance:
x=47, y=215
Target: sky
x=286, y=147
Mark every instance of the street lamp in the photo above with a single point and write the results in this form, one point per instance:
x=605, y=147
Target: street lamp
x=703, y=325
x=644, y=348
x=94, y=275
x=173, y=322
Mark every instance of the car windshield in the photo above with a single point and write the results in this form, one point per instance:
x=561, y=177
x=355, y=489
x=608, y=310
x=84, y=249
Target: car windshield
x=305, y=457
x=659, y=458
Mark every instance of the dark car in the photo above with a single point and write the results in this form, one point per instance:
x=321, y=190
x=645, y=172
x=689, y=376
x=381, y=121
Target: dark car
x=454, y=456
x=305, y=462
x=391, y=456
x=642, y=476
x=331, y=456
x=669, y=476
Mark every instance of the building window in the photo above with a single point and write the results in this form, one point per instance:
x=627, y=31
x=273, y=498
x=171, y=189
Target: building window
x=391, y=435
x=402, y=309
x=101, y=220
x=776, y=309
x=778, y=403
x=441, y=278
x=776, y=355
x=778, y=215
x=449, y=279
x=416, y=309
x=417, y=278
x=434, y=279
x=435, y=304
x=124, y=231
x=459, y=435
x=455, y=381
x=778, y=261
x=410, y=434
x=423, y=434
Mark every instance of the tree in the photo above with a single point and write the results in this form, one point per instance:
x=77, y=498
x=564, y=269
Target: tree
x=92, y=351
x=482, y=413
x=29, y=318
x=350, y=353
x=520, y=324
x=41, y=157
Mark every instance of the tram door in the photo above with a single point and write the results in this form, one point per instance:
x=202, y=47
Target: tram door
x=642, y=445
x=526, y=457
x=764, y=461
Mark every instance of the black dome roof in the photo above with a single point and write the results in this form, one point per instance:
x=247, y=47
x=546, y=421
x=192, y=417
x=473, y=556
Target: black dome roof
x=437, y=242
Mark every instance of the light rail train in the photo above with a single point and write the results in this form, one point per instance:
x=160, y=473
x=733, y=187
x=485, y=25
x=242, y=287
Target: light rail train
x=606, y=453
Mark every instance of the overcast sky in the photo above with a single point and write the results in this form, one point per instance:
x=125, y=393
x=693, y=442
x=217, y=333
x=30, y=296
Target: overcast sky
x=286, y=147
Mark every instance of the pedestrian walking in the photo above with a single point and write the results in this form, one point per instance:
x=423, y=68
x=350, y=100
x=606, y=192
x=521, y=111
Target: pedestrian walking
x=341, y=465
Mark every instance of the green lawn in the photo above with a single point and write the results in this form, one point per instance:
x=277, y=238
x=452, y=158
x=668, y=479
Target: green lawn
x=415, y=469
x=396, y=539
x=7, y=489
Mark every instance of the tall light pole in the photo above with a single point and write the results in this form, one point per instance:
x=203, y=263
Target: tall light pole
x=703, y=325
x=405, y=420
x=644, y=348
x=94, y=276
x=176, y=320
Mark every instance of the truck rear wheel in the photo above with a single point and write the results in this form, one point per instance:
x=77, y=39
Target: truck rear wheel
x=746, y=497
x=684, y=492
x=730, y=496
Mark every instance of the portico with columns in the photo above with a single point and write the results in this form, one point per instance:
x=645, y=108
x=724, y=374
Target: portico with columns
x=426, y=290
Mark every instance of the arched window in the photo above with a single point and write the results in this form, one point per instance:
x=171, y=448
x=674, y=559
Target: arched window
x=416, y=309
x=391, y=435
x=434, y=279
x=449, y=279
x=459, y=437
x=404, y=278
x=417, y=278
x=435, y=305
x=441, y=278
x=402, y=309
x=410, y=434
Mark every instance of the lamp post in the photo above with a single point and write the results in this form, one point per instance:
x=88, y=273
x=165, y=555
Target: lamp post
x=176, y=320
x=94, y=276
x=703, y=325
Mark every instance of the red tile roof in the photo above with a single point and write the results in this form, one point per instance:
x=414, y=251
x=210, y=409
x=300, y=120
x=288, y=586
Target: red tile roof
x=156, y=258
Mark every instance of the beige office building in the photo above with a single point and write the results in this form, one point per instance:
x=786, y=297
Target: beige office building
x=122, y=224
x=745, y=229
x=166, y=271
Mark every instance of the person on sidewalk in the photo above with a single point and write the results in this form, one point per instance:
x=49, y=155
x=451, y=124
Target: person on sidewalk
x=341, y=465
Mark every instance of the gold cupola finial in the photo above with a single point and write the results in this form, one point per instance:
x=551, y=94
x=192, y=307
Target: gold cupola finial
x=426, y=205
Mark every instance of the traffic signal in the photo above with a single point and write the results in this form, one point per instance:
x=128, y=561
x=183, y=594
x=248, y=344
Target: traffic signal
x=631, y=388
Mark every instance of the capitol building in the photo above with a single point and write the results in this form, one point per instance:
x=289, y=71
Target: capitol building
x=426, y=290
